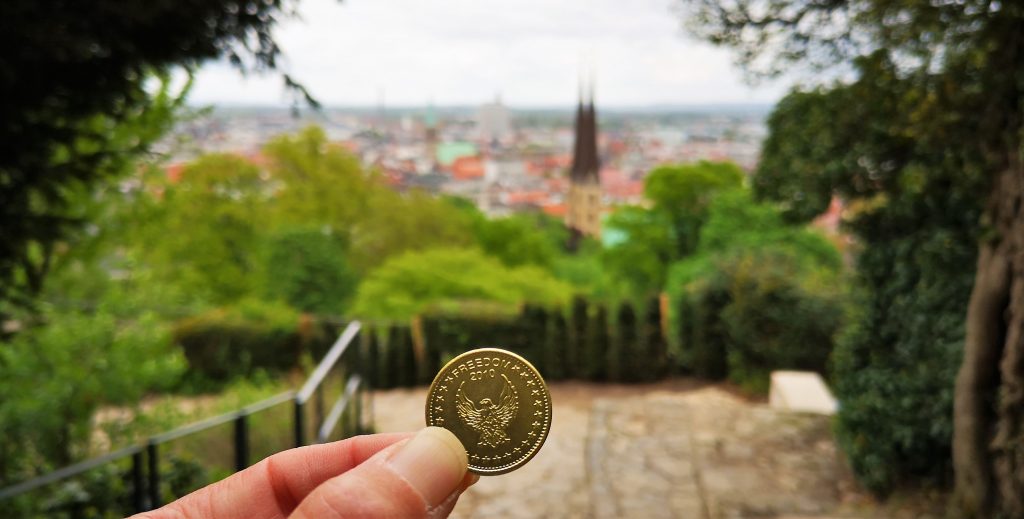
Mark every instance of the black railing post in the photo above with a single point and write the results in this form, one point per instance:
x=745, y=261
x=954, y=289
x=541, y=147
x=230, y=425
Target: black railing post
x=300, y=424
x=241, y=441
x=152, y=452
x=138, y=483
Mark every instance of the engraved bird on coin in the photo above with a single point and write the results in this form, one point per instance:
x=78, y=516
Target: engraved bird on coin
x=490, y=419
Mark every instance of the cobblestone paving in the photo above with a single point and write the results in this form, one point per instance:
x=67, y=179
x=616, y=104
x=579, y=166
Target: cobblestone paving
x=662, y=450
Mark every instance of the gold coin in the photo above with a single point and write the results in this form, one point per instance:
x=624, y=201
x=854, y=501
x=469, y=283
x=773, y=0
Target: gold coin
x=496, y=403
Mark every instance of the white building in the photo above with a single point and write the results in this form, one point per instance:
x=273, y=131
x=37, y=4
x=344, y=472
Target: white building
x=493, y=121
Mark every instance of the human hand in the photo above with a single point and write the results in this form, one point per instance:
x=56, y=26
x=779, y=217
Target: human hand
x=379, y=475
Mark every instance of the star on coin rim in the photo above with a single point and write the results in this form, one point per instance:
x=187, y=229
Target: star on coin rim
x=543, y=437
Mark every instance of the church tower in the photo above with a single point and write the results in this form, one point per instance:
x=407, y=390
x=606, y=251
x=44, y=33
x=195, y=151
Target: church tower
x=583, y=215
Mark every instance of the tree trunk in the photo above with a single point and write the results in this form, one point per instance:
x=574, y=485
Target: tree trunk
x=988, y=442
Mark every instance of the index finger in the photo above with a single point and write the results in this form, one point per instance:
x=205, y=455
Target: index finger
x=273, y=487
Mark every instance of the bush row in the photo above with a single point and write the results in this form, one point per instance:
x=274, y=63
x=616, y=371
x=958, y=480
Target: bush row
x=585, y=341
x=227, y=343
x=740, y=323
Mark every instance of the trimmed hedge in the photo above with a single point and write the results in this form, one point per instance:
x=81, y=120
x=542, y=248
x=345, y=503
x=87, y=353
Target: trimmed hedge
x=577, y=339
x=653, y=337
x=581, y=345
x=597, y=343
x=225, y=343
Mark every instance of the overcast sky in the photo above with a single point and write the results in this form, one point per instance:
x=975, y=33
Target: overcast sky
x=464, y=52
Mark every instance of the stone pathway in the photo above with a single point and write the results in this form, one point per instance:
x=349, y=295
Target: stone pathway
x=672, y=449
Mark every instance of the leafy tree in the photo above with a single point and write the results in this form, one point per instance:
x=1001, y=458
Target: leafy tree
x=516, y=240
x=930, y=129
x=77, y=110
x=317, y=183
x=203, y=231
x=646, y=241
x=736, y=222
x=641, y=259
x=307, y=269
x=895, y=368
x=395, y=223
x=683, y=193
x=588, y=271
x=410, y=283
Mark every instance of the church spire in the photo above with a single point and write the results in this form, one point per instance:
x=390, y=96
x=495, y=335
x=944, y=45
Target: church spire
x=585, y=162
x=583, y=211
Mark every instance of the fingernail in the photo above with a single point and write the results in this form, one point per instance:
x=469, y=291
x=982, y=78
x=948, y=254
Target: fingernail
x=433, y=462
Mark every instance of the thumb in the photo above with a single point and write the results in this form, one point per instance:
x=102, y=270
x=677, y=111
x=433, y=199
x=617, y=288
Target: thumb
x=421, y=477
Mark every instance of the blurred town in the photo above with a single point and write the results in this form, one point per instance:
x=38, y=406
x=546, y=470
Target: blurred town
x=504, y=159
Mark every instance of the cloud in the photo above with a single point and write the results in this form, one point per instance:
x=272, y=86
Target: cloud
x=467, y=51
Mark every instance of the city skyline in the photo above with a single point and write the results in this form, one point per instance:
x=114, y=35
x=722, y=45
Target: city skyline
x=364, y=53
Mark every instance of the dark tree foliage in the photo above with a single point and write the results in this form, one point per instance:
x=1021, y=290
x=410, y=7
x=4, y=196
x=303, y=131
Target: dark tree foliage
x=576, y=346
x=554, y=346
x=597, y=344
x=656, y=347
x=403, y=359
x=701, y=334
x=76, y=109
x=370, y=352
x=307, y=269
x=625, y=345
x=534, y=323
x=923, y=137
x=387, y=376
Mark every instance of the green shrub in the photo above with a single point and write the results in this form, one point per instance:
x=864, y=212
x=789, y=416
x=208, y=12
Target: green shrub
x=230, y=342
x=449, y=333
x=553, y=367
x=382, y=357
x=576, y=342
x=531, y=327
x=57, y=373
x=757, y=296
x=702, y=334
x=542, y=336
x=403, y=367
x=653, y=338
x=306, y=268
x=773, y=322
x=596, y=345
x=417, y=282
x=894, y=369
x=632, y=358
x=756, y=313
x=623, y=339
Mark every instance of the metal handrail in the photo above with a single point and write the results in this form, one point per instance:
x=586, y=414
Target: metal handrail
x=339, y=407
x=214, y=421
x=148, y=449
x=337, y=349
x=84, y=466
x=66, y=472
